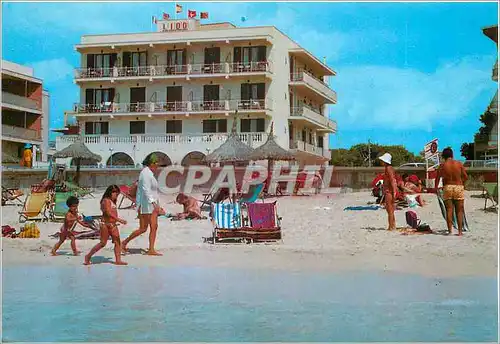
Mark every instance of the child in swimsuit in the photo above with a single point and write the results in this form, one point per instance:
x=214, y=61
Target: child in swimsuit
x=109, y=225
x=70, y=221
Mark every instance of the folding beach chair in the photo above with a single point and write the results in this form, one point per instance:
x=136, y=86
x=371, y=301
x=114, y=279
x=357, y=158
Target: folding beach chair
x=35, y=207
x=215, y=196
x=490, y=193
x=12, y=195
x=264, y=222
x=79, y=191
x=226, y=218
x=58, y=207
x=254, y=191
x=128, y=192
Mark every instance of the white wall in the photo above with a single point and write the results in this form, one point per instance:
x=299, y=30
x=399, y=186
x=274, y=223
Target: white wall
x=45, y=124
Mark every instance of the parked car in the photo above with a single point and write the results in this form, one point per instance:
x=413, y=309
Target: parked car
x=413, y=164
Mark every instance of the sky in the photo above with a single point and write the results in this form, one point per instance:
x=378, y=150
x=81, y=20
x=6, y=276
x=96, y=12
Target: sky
x=406, y=72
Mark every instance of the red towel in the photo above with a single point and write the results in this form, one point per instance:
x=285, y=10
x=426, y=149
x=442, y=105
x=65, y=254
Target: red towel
x=262, y=215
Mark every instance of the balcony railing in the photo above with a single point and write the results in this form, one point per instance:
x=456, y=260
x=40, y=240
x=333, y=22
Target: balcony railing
x=306, y=147
x=14, y=99
x=317, y=84
x=206, y=140
x=20, y=133
x=313, y=114
x=180, y=106
x=169, y=70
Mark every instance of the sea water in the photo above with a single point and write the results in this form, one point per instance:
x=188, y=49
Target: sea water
x=109, y=303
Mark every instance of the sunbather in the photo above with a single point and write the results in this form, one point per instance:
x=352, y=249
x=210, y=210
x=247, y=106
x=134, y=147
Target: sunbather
x=70, y=220
x=191, y=208
x=390, y=189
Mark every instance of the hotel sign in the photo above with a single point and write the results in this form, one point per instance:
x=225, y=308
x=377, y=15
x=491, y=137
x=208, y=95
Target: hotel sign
x=176, y=25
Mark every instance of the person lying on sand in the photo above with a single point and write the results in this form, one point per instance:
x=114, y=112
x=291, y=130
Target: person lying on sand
x=70, y=221
x=109, y=225
x=191, y=208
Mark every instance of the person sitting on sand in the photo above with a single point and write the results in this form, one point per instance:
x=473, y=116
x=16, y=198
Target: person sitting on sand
x=410, y=186
x=109, y=225
x=70, y=221
x=454, y=178
x=390, y=189
x=191, y=208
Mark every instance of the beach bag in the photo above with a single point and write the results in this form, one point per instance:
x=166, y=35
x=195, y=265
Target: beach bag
x=413, y=221
x=30, y=230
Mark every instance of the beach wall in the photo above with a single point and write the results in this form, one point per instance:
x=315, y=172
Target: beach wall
x=351, y=177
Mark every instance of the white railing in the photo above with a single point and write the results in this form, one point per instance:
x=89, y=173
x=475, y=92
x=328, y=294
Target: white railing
x=313, y=114
x=179, y=106
x=306, y=147
x=168, y=70
x=314, y=82
x=252, y=139
x=491, y=163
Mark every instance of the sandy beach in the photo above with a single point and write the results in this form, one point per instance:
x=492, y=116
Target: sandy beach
x=317, y=235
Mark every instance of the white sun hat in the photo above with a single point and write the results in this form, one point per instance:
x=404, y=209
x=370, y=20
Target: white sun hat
x=387, y=158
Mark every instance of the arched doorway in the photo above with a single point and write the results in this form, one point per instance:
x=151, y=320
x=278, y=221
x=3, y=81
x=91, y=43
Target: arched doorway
x=163, y=159
x=193, y=158
x=120, y=159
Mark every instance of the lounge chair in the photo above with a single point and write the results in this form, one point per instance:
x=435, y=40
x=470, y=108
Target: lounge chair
x=128, y=192
x=11, y=195
x=59, y=208
x=35, y=207
x=253, y=194
x=79, y=191
x=47, y=185
x=490, y=193
x=263, y=224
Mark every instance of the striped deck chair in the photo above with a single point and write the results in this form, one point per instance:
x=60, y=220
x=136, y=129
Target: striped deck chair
x=11, y=195
x=490, y=193
x=35, y=207
x=265, y=224
x=226, y=218
x=59, y=208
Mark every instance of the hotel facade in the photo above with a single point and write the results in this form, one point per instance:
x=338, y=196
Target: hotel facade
x=25, y=112
x=175, y=92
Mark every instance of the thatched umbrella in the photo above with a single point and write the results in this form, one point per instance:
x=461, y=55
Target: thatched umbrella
x=78, y=151
x=232, y=150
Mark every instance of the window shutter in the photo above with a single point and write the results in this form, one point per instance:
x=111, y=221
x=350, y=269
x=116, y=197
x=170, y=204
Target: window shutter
x=90, y=60
x=261, y=123
x=111, y=94
x=89, y=128
x=222, y=126
x=113, y=60
x=245, y=125
x=104, y=128
x=245, y=91
x=261, y=91
x=184, y=57
x=237, y=54
x=89, y=96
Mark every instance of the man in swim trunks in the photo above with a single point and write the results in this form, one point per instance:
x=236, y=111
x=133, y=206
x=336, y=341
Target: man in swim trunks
x=454, y=178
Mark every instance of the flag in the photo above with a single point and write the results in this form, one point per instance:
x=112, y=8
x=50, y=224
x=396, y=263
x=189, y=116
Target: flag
x=178, y=8
x=203, y=15
x=154, y=20
x=166, y=16
x=191, y=14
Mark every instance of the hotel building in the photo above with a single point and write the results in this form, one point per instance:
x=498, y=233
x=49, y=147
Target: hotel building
x=25, y=111
x=175, y=92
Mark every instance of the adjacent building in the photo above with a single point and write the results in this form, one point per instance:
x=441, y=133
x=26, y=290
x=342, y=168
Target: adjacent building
x=487, y=147
x=25, y=111
x=175, y=92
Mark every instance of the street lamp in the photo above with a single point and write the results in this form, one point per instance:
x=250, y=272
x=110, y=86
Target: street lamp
x=111, y=157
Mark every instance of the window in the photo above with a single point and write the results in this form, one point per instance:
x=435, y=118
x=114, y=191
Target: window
x=137, y=127
x=320, y=141
x=99, y=95
x=174, y=127
x=176, y=57
x=135, y=59
x=253, y=91
x=254, y=125
x=249, y=54
x=96, y=128
x=215, y=126
x=101, y=60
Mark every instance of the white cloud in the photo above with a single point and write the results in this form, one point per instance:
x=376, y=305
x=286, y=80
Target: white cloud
x=52, y=70
x=378, y=96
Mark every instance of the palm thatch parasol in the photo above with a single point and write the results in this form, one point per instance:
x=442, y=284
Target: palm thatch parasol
x=232, y=150
x=78, y=151
x=271, y=151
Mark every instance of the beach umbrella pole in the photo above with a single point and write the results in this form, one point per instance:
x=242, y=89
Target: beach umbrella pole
x=77, y=176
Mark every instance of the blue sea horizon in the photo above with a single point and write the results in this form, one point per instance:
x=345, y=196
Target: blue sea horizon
x=109, y=303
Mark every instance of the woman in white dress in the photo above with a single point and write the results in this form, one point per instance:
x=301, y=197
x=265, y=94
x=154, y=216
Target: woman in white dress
x=148, y=205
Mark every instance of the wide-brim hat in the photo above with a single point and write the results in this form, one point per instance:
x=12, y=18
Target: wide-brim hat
x=387, y=158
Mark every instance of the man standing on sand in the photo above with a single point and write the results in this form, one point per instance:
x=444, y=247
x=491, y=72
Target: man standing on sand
x=390, y=189
x=454, y=178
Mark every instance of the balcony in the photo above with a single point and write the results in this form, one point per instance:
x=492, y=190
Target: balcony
x=173, y=71
x=20, y=134
x=177, y=145
x=180, y=107
x=311, y=115
x=20, y=103
x=301, y=146
x=313, y=86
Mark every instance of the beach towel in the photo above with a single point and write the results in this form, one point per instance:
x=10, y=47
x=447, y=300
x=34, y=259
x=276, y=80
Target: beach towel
x=262, y=215
x=227, y=215
x=442, y=206
x=363, y=207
